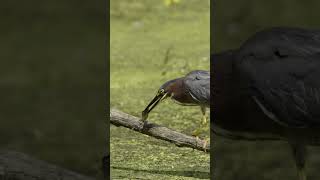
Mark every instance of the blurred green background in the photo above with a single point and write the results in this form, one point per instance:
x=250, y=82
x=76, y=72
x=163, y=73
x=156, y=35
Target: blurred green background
x=233, y=23
x=52, y=81
x=142, y=31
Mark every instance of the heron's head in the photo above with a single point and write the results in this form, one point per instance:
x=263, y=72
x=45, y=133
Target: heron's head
x=168, y=89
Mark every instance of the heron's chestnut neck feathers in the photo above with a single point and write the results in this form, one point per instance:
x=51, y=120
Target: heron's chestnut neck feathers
x=176, y=90
x=172, y=86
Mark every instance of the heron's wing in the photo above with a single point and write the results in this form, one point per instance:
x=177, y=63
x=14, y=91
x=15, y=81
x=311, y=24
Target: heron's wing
x=282, y=42
x=287, y=89
x=198, y=86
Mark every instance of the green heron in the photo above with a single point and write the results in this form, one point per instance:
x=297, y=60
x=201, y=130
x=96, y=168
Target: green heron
x=192, y=89
x=269, y=89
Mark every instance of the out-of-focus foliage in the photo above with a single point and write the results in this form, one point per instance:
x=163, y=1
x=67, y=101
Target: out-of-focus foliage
x=171, y=2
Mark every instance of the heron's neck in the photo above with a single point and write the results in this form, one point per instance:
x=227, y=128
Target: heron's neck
x=179, y=93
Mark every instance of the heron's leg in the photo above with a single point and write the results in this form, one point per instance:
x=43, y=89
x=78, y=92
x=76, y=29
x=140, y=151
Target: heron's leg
x=300, y=153
x=203, y=125
x=204, y=117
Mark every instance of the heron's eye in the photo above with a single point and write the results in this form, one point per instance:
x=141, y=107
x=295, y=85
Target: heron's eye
x=161, y=91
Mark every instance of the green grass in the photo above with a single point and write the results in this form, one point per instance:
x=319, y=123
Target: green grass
x=141, y=33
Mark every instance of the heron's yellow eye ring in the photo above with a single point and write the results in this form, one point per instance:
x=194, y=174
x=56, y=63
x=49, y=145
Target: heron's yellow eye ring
x=161, y=91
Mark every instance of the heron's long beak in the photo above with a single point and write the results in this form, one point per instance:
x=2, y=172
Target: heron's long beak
x=158, y=98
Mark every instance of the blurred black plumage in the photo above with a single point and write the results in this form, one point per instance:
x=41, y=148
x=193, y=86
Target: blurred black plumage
x=268, y=89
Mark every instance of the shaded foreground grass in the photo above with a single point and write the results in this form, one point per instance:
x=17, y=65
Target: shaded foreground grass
x=141, y=33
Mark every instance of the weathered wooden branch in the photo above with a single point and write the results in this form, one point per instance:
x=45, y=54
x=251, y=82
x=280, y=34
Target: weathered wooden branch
x=18, y=166
x=119, y=118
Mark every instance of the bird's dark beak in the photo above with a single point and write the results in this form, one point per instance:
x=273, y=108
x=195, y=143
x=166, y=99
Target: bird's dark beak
x=158, y=98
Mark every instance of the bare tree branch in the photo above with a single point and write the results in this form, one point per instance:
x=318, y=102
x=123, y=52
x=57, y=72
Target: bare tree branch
x=18, y=166
x=119, y=118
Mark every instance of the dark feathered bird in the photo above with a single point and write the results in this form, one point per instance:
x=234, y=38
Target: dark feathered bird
x=192, y=89
x=269, y=88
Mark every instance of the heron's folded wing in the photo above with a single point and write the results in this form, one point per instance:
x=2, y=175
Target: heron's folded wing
x=198, y=86
x=286, y=89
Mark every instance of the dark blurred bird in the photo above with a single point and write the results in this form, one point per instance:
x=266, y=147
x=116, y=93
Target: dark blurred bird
x=192, y=89
x=269, y=89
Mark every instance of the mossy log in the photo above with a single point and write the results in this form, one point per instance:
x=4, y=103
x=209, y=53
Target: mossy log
x=119, y=118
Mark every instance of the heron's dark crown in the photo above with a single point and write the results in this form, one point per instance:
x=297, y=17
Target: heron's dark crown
x=171, y=86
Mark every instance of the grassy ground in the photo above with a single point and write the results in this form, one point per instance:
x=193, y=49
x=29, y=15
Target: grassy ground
x=141, y=33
